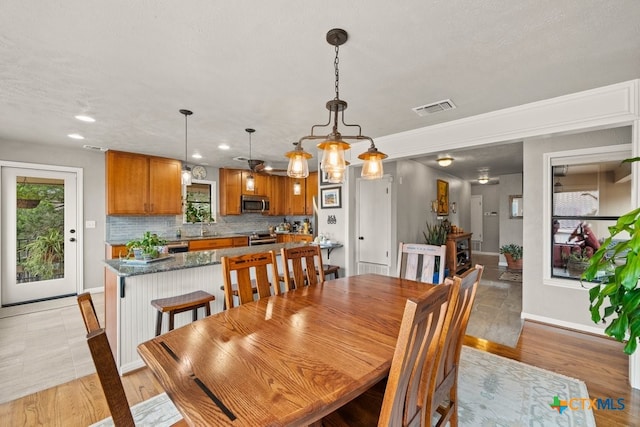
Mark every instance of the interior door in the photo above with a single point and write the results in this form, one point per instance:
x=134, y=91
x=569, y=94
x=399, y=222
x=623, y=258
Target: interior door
x=374, y=219
x=39, y=234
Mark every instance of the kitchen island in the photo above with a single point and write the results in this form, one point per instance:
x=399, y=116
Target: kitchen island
x=130, y=287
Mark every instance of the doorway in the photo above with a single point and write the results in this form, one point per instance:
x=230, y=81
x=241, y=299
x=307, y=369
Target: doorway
x=40, y=236
x=374, y=224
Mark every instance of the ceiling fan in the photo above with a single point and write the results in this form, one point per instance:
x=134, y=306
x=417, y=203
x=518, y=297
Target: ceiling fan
x=258, y=165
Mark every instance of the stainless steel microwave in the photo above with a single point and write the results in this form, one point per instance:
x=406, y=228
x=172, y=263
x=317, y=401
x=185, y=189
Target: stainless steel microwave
x=254, y=204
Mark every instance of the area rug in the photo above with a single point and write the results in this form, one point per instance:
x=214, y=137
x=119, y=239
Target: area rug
x=496, y=391
x=512, y=276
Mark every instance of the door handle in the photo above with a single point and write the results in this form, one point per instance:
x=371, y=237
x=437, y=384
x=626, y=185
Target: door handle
x=360, y=238
x=72, y=239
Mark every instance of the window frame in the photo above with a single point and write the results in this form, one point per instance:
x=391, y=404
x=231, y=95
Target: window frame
x=571, y=157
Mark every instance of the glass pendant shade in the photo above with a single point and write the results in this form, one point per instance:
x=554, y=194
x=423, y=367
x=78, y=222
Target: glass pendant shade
x=251, y=183
x=333, y=156
x=298, y=165
x=186, y=176
x=372, y=166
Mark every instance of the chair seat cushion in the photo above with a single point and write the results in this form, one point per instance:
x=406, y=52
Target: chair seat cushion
x=156, y=411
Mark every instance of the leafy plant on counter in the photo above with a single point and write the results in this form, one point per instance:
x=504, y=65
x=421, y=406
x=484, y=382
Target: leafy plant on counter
x=148, y=246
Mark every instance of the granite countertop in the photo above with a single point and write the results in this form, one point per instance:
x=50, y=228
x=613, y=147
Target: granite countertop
x=184, y=260
x=174, y=239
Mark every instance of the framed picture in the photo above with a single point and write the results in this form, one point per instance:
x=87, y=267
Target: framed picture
x=443, y=197
x=323, y=176
x=330, y=198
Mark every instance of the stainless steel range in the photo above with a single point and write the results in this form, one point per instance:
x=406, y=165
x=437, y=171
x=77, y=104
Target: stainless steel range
x=262, y=238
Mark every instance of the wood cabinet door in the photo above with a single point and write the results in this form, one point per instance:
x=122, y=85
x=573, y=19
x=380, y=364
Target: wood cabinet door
x=274, y=193
x=206, y=244
x=295, y=202
x=127, y=188
x=260, y=180
x=230, y=191
x=165, y=186
x=312, y=191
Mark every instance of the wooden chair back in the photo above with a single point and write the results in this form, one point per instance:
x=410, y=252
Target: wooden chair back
x=109, y=378
x=418, y=262
x=88, y=312
x=258, y=264
x=417, y=355
x=305, y=263
x=445, y=397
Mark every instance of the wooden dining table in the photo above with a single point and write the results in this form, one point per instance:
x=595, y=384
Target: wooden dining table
x=284, y=360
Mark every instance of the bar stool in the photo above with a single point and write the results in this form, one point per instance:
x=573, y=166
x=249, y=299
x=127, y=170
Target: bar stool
x=331, y=269
x=178, y=304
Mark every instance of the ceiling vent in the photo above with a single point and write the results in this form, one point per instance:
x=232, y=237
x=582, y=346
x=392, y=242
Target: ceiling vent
x=95, y=148
x=436, y=107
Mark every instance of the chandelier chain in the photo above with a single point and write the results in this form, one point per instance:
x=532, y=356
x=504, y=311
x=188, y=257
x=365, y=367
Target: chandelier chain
x=335, y=64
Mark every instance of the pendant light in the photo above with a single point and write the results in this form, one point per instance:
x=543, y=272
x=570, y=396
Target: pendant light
x=333, y=146
x=250, y=181
x=186, y=170
x=298, y=165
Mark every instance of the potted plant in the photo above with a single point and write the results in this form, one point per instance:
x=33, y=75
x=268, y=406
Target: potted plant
x=614, y=269
x=45, y=255
x=513, y=254
x=578, y=260
x=436, y=235
x=149, y=247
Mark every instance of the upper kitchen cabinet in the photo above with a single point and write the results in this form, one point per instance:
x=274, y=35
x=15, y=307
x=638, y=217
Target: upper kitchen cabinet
x=312, y=192
x=261, y=184
x=277, y=201
x=142, y=185
x=230, y=191
x=295, y=194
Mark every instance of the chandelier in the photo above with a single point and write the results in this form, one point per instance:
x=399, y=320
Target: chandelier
x=333, y=163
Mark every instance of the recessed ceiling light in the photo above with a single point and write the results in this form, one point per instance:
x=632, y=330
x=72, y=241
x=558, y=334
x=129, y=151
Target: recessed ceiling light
x=223, y=147
x=85, y=118
x=75, y=136
x=197, y=156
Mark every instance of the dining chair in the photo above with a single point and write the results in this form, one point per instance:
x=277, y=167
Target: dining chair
x=302, y=266
x=244, y=266
x=417, y=355
x=445, y=395
x=418, y=261
x=157, y=411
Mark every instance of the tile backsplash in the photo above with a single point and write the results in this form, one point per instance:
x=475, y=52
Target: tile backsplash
x=125, y=228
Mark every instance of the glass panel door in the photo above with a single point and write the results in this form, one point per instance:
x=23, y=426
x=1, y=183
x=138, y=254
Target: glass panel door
x=39, y=234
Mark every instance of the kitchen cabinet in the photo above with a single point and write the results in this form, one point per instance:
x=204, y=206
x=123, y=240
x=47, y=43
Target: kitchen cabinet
x=294, y=238
x=295, y=204
x=230, y=191
x=458, y=253
x=218, y=243
x=277, y=201
x=312, y=192
x=261, y=183
x=142, y=185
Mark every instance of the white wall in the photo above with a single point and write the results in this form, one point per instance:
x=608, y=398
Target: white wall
x=510, y=228
x=92, y=163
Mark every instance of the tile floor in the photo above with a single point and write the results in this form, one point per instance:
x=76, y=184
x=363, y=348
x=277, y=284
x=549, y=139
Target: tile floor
x=45, y=348
x=496, y=311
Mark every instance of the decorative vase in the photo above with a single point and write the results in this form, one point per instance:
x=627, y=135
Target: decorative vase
x=515, y=265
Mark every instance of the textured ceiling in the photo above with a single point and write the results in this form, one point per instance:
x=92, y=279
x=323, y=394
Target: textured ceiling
x=133, y=64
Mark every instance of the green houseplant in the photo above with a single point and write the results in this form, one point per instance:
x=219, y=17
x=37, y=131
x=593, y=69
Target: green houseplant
x=435, y=234
x=513, y=254
x=45, y=255
x=615, y=270
x=148, y=247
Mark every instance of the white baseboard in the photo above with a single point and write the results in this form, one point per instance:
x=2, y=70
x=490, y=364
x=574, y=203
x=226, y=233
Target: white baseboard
x=569, y=325
x=486, y=253
x=96, y=290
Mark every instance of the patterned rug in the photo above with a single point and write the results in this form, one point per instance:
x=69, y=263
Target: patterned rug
x=496, y=391
x=512, y=276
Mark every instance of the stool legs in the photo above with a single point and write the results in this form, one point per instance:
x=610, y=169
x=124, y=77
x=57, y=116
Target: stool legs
x=159, y=323
x=194, y=316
